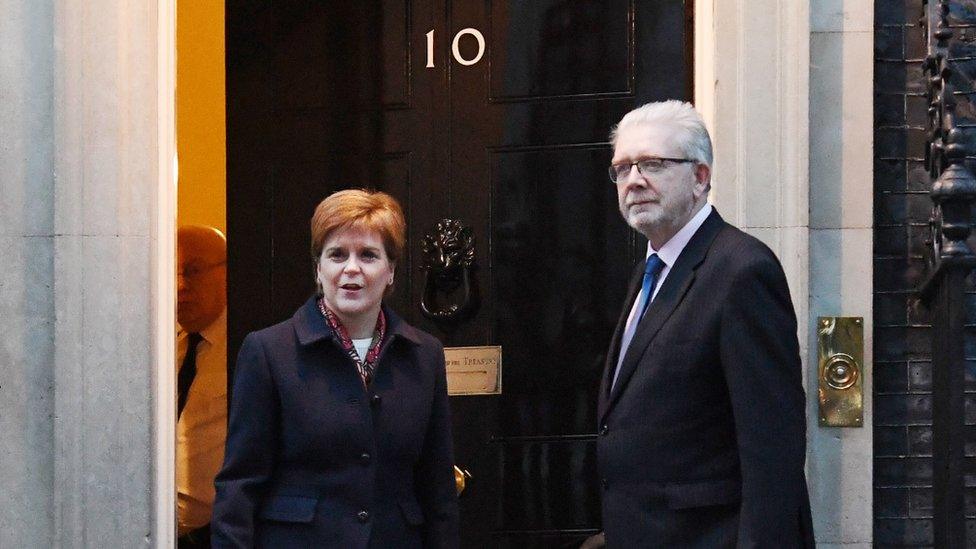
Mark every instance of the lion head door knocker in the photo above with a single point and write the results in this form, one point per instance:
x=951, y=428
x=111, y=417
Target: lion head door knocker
x=449, y=294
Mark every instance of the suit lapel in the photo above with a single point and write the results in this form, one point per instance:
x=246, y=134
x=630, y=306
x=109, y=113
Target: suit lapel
x=668, y=297
x=614, y=351
x=672, y=292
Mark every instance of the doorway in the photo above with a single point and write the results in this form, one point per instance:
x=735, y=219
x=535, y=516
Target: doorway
x=494, y=114
x=200, y=337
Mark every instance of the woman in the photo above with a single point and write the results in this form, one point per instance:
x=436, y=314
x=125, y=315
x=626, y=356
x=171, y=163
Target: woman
x=339, y=430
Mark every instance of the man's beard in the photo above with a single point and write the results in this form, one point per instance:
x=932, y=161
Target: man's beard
x=659, y=216
x=648, y=219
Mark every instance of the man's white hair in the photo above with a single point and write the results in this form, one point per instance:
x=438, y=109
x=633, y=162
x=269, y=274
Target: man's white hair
x=691, y=135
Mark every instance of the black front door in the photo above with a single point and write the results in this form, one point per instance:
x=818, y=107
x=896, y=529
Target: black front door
x=492, y=113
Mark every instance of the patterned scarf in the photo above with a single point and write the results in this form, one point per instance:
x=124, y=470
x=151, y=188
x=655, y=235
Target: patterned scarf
x=365, y=367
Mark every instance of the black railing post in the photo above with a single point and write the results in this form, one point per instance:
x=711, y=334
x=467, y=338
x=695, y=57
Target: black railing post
x=949, y=261
x=948, y=503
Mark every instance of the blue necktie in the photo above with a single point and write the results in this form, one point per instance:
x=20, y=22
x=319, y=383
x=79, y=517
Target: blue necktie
x=651, y=271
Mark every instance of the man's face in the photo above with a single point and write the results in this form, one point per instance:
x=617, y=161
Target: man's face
x=660, y=201
x=202, y=280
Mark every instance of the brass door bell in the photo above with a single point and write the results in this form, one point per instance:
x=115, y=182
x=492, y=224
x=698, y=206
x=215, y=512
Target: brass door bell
x=840, y=388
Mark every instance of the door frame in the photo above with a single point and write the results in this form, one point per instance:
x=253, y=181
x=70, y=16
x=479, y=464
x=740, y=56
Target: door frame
x=720, y=77
x=163, y=282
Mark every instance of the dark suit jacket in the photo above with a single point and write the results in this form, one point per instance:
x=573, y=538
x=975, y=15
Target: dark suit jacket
x=702, y=439
x=314, y=459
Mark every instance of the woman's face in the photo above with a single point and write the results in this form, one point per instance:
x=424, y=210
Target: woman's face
x=354, y=271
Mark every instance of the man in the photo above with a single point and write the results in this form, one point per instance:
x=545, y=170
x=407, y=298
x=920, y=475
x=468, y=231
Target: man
x=701, y=410
x=202, y=377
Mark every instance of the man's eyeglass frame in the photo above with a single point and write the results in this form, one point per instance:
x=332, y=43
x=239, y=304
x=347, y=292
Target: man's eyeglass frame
x=653, y=164
x=196, y=271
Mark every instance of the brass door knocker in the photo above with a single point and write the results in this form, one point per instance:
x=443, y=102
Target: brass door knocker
x=448, y=261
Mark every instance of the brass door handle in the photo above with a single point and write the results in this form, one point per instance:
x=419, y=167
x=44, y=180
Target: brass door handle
x=461, y=478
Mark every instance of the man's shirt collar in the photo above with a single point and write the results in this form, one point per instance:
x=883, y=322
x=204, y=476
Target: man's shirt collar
x=672, y=248
x=215, y=332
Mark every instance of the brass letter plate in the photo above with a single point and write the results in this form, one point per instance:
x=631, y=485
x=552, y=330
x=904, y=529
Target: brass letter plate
x=474, y=370
x=840, y=352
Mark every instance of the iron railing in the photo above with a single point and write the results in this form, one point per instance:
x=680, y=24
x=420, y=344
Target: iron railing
x=949, y=260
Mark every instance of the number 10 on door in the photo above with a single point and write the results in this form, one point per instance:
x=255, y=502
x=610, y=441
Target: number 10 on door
x=455, y=50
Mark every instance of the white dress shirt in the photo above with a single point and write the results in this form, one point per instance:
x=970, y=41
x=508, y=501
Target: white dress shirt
x=668, y=253
x=202, y=428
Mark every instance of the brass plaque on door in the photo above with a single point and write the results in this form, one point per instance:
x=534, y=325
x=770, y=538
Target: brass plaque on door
x=474, y=370
x=840, y=352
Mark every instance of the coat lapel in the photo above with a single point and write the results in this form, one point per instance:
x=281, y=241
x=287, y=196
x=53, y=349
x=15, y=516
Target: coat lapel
x=397, y=328
x=310, y=325
x=672, y=292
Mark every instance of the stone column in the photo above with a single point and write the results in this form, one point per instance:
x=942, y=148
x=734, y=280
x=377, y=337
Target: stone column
x=786, y=89
x=841, y=253
x=80, y=165
x=107, y=168
x=26, y=274
x=751, y=75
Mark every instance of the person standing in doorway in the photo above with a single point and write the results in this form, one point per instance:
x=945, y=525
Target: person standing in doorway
x=201, y=362
x=340, y=428
x=701, y=409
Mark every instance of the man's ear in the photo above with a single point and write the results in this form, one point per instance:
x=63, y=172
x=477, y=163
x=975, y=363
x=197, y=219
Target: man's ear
x=703, y=179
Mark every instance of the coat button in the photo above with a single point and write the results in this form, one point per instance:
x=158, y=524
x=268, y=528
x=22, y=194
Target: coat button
x=364, y=458
x=375, y=401
x=363, y=516
x=604, y=430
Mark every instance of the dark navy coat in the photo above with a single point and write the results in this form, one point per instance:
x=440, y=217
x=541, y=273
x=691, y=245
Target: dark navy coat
x=703, y=437
x=314, y=459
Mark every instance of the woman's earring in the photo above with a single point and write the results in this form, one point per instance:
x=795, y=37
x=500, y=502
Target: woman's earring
x=390, y=283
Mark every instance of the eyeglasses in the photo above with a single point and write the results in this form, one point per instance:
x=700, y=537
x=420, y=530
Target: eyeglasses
x=195, y=271
x=651, y=165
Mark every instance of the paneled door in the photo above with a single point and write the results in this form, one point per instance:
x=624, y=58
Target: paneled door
x=495, y=114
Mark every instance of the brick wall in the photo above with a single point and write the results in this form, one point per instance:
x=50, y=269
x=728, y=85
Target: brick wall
x=902, y=331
